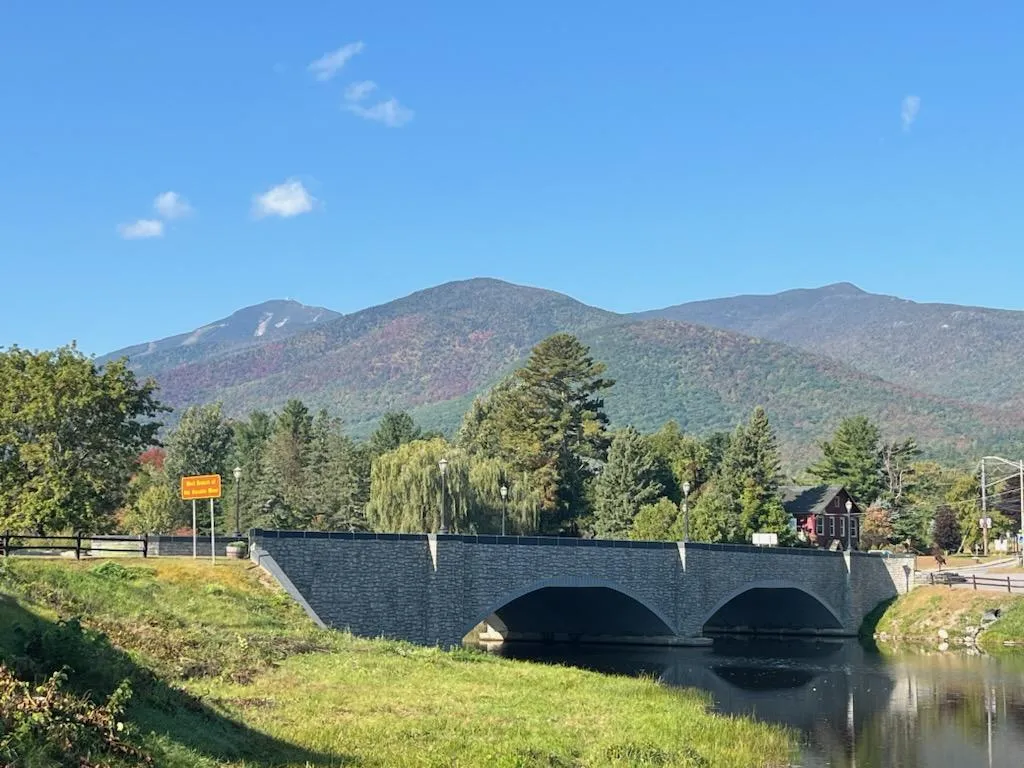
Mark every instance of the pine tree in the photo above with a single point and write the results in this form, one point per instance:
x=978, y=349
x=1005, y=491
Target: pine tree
x=286, y=495
x=552, y=426
x=752, y=456
x=249, y=447
x=629, y=481
x=852, y=459
x=394, y=429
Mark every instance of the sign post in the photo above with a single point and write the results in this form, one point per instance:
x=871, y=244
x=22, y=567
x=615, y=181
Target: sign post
x=213, y=536
x=985, y=523
x=202, y=487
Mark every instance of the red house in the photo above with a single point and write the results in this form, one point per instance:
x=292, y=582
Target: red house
x=821, y=515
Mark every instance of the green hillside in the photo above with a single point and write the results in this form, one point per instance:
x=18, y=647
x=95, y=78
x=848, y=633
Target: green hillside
x=709, y=379
x=966, y=353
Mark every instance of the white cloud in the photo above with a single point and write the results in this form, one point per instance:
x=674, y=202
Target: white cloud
x=390, y=113
x=328, y=65
x=171, y=205
x=908, y=111
x=359, y=91
x=142, y=228
x=285, y=200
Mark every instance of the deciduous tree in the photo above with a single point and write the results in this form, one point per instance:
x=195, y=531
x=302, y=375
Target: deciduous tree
x=946, y=531
x=70, y=435
x=876, y=528
x=660, y=521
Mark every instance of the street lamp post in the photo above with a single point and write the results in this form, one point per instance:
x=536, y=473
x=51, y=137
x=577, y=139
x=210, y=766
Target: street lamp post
x=686, y=510
x=238, y=495
x=443, y=466
x=504, y=506
x=849, y=509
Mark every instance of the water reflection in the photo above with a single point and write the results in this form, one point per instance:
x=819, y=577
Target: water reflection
x=852, y=706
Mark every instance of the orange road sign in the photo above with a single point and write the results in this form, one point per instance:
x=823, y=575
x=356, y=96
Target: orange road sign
x=200, y=487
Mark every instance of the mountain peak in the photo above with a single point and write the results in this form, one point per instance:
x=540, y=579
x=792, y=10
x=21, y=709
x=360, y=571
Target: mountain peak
x=847, y=289
x=271, y=319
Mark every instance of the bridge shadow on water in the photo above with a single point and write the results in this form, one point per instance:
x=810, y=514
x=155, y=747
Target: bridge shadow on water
x=35, y=648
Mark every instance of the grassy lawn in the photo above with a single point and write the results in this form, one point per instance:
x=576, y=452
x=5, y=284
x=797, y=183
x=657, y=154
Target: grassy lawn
x=226, y=670
x=917, y=618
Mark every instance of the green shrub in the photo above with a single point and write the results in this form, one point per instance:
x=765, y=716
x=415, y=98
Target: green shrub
x=45, y=725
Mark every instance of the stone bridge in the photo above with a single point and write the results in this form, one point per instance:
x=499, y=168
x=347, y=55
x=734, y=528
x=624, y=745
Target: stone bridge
x=435, y=589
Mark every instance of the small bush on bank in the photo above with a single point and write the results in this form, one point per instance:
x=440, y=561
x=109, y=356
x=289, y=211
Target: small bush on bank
x=45, y=725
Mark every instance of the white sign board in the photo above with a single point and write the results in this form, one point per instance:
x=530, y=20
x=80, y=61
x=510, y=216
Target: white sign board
x=766, y=539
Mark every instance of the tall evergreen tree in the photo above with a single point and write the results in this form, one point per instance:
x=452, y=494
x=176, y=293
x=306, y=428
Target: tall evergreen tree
x=630, y=479
x=552, y=425
x=852, y=459
x=394, y=429
x=250, y=444
x=752, y=457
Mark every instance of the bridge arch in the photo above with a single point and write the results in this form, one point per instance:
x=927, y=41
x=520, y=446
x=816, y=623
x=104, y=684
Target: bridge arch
x=773, y=606
x=573, y=607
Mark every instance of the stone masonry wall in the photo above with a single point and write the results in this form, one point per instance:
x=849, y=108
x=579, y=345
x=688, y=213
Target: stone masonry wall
x=715, y=573
x=434, y=589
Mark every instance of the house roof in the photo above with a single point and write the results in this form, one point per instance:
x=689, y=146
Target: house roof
x=808, y=499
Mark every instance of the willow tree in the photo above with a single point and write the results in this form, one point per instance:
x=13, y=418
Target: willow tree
x=487, y=476
x=405, y=488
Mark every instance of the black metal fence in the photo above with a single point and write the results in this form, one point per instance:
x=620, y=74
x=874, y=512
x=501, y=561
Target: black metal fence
x=952, y=578
x=15, y=542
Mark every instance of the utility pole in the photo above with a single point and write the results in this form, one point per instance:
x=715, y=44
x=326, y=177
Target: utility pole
x=984, y=495
x=1020, y=533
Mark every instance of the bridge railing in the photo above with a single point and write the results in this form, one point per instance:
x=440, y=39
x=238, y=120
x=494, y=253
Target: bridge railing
x=545, y=541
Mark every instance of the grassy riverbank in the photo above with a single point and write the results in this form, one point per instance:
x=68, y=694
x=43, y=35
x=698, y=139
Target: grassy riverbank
x=931, y=616
x=225, y=669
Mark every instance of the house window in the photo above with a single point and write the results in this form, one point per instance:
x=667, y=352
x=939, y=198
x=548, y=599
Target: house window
x=853, y=527
x=831, y=526
x=819, y=525
x=842, y=526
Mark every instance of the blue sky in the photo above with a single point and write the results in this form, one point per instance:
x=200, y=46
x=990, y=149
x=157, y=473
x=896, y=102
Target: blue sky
x=631, y=155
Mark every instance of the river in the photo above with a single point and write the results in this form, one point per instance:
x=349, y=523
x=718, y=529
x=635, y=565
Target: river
x=851, y=706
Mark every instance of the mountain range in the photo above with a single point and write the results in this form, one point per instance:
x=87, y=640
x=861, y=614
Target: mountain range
x=943, y=373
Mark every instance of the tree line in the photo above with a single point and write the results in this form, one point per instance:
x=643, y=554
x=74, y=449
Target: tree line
x=81, y=449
